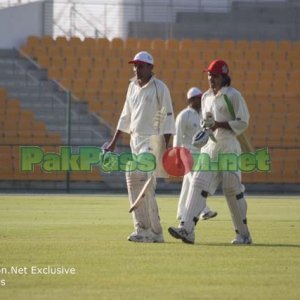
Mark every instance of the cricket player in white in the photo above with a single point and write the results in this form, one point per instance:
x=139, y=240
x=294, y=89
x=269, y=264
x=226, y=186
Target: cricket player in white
x=187, y=125
x=225, y=130
x=146, y=96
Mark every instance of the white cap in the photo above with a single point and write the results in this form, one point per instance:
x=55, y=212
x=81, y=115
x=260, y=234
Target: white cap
x=142, y=57
x=193, y=92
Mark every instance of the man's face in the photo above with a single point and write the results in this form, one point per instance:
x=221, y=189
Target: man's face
x=142, y=71
x=196, y=103
x=215, y=81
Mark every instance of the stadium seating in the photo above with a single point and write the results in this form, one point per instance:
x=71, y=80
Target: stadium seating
x=266, y=72
x=18, y=127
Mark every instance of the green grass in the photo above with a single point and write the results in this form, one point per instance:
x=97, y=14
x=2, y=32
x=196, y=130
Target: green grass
x=89, y=233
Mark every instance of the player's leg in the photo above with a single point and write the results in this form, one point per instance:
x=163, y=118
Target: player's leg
x=196, y=202
x=135, y=182
x=234, y=193
x=153, y=213
x=183, y=195
x=147, y=211
x=207, y=213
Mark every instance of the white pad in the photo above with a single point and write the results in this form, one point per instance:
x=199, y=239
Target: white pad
x=135, y=182
x=186, y=183
x=233, y=190
x=183, y=195
x=153, y=212
x=146, y=214
x=196, y=200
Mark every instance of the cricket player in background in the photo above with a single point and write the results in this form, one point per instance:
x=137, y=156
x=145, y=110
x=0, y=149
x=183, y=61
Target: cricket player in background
x=187, y=124
x=225, y=129
x=146, y=97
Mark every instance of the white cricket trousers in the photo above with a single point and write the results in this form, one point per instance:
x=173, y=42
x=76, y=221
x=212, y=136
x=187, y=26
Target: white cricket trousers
x=146, y=215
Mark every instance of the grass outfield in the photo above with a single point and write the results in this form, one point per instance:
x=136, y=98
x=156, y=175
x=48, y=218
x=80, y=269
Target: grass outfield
x=89, y=234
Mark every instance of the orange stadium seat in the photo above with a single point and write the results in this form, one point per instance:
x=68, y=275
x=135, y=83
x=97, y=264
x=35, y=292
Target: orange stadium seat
x=75, y=42
x=172, y=45
x=144, y=44
x=54, y=51
x=257, y=45
x=33, y=41
x=47, y=41
x=68, y=51
x=158, y=44
x=131, y=43
x=284, y=45
x=270, y=45
x=214, y=44
x=117, y=43
x=3, y=93
x=185, y=44
x=61, y=41
x=242, y=45
x=116, y=47
x=228, y=45
x=293, y=55
x=44, y=61
x=200, y=45
x=279, y=56
x=104, y=43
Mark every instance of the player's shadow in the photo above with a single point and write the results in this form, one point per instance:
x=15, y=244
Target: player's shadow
x=231, y=245
x=252, y=245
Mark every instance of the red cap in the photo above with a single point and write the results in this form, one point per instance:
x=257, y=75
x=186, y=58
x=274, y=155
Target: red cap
x=218, y=66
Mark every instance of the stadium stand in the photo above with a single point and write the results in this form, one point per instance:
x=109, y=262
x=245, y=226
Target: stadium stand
x=264, y=71
x=18, y=127
x=32, y=113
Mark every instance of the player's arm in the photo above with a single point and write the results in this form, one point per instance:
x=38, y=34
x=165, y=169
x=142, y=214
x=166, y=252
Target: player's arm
x=169, y=123
x=112, y=144
x=224, y=125
x=210, y=122
x=240, y=124
x=177, y=139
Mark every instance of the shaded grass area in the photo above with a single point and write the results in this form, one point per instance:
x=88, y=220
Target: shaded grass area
x=89, y=234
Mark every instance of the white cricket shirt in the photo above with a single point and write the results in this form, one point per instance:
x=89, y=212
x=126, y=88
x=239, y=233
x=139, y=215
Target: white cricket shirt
x=216, y=105
x=141, y=105
x=187, y=124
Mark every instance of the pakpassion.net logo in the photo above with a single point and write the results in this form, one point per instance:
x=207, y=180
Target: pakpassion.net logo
x=177, y=161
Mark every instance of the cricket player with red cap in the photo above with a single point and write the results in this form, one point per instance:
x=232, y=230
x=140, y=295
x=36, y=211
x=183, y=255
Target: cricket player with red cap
x=228, y=110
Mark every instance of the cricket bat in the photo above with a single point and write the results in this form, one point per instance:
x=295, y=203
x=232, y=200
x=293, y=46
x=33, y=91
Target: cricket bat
x=245, y=143
x=141, y=194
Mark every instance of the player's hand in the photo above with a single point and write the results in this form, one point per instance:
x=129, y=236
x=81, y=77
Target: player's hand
x=209, y=121
x=109, y=146
x=175, y=152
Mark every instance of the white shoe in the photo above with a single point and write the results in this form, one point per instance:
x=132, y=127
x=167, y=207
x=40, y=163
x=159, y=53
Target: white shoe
x=157, y=238
x=181, y=233
x=240, y=240
x=209, y=215
x=146, y=236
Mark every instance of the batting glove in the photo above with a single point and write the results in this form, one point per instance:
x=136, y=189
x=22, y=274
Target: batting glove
x=209, y=121
x=200, y=139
